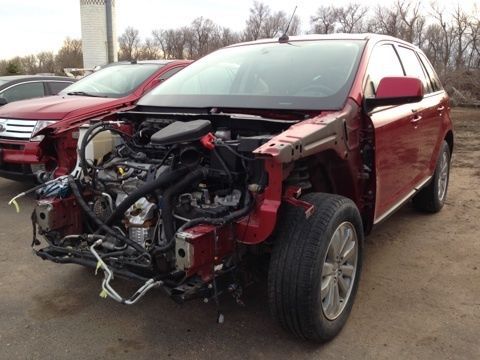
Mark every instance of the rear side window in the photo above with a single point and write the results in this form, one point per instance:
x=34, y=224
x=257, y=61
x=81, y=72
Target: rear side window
x=384, y=62
x=56, y=86
x=24, y=91
x=436, y=84
x=413, y=67
x=169, y=73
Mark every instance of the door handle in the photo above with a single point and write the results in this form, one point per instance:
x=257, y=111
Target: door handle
x=441, y=108
x=416, y=119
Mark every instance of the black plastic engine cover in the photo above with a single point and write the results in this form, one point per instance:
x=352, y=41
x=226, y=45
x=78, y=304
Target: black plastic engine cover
x=181, y=132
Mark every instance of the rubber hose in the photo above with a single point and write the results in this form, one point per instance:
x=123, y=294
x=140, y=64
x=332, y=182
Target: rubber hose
x=160, y=182
x=83, y=145
x=97, y=221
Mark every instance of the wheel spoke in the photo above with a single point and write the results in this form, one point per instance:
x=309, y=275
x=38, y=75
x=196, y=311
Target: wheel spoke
x=333, y=250
x=347, y=270
x=348, y=252
x=336, y=298
x=330, y=299
x=444, y=167
x=346, y=235
x=343, y=286
x=326, y=287
x=327, y=269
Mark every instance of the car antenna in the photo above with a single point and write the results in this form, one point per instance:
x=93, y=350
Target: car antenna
x=284, y=38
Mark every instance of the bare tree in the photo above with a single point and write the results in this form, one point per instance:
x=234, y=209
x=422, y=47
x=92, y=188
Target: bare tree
x=29, y=64
x=262, y=23
x=46, y=62
x=445, y=28
x=205, y=37
x=3, y=67
x=70, y=55
x=385, y=21
x=324, y=21
x=228, y=37
x=149, y=50
x=351, y=17
x=259, y=14
x=412, y=21
x=129, y=44
x=462, y=40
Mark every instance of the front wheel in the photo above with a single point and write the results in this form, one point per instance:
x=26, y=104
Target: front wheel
x=315, y=267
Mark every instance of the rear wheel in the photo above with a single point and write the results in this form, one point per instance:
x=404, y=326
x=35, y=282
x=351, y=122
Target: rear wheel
x=432, y=197
x=315, y=267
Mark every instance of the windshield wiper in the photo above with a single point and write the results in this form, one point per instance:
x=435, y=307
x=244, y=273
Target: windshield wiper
x=83, y=93
x=279, y=114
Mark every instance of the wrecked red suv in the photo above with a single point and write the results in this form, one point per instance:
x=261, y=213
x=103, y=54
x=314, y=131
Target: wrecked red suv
x=24, y=154
x=288, y=150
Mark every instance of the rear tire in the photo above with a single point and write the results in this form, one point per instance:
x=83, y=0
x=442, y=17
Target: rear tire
x=432, y=197
x=315, y=267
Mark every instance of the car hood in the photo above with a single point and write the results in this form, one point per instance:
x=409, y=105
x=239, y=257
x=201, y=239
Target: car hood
x=54, y=107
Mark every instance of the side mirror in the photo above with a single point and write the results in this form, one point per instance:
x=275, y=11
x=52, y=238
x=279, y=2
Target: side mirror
x=396, y=91
x=3, y=101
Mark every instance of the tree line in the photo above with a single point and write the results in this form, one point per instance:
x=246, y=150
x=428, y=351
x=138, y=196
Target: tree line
x=46, y=62
x=450, y=38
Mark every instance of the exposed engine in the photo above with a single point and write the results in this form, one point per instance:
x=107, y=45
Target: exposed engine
x=156, y=200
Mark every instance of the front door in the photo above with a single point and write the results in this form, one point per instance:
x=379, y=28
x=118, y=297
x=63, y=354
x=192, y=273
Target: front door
x=397, y=155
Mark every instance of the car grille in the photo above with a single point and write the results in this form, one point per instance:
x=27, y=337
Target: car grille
x=16, y=129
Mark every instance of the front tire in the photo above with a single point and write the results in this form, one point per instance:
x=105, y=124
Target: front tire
x=315, y=267
x=432, y=197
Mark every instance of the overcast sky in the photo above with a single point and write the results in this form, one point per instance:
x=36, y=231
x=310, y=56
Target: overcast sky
x=31, y=26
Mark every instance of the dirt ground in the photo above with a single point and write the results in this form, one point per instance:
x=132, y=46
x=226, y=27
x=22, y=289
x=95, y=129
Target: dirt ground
x=419, y=295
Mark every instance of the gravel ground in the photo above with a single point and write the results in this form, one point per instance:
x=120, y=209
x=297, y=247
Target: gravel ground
x=419, y=295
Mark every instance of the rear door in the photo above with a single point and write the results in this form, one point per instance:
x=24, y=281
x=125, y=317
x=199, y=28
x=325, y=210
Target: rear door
x=427, y=121
x=23, y=91
x=396, y=150
x=440, y=97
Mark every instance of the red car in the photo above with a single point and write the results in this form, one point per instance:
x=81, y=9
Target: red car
x=285, y=150
x=23, y=155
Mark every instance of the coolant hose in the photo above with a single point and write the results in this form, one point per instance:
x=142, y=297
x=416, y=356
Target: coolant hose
x=161, y=182
x=81, y=201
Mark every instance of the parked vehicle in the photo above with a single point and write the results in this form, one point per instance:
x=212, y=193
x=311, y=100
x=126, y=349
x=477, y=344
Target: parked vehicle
x=288, y=149
x=23, y=154
x=21, y=87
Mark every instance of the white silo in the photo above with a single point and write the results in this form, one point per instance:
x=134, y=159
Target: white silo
x=99, y=37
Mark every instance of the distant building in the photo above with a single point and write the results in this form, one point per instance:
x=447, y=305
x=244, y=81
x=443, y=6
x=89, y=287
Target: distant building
x=99, y=35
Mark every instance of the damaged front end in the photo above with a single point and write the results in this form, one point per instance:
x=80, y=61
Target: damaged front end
x=177, y=203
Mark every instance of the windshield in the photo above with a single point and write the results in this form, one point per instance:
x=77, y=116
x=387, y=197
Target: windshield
x=113, y=81
x=300, y=75
x=3, y=82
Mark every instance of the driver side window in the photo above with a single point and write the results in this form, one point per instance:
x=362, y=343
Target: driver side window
x=383, y=62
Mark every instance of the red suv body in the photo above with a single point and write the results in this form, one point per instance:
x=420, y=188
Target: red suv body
x=24, y=153
x=287, y=150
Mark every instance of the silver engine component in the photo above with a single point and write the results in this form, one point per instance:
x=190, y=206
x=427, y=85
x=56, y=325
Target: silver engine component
x=229, y=200
x=141, y=221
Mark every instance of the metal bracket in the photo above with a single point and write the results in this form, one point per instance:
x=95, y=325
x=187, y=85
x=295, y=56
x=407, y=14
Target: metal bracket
x=291, y=196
